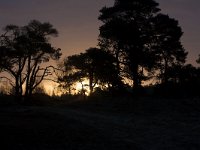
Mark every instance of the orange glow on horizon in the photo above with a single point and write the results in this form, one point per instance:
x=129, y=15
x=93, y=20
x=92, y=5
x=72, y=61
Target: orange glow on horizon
x=52, y=88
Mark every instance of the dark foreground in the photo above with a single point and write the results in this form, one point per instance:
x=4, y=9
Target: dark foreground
x=150, y=126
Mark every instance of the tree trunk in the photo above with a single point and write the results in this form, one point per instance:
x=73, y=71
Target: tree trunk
x=136, y=80
x=165, y=74
x=119, y=83
x=18, y=94
x=91, y=78
x=27, y=88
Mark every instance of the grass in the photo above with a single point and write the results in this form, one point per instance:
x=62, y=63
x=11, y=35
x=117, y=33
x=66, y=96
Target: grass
x=100, y=123
x=23, y=128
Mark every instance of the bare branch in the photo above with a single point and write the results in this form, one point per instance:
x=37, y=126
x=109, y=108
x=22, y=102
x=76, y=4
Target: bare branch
x=45, y=74
x=11, y=82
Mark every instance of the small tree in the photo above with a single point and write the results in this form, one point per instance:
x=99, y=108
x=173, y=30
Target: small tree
x=95, y=65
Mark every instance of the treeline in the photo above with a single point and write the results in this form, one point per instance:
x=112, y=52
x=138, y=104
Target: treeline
x=138, y=45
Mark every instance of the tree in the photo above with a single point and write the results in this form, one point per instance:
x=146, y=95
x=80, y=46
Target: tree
x=187, y=78
x=95, y=65
x=25, y=49
x=131, y=31
x=127, y=25
x=167, y=45
x=198, y=60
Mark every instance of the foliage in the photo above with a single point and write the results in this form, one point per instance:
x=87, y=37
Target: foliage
x=136, y=41
x=95, y=65
x=167, y=46
x=24, y=49
x=198, y=60
x=140, y=38
x=184, y=81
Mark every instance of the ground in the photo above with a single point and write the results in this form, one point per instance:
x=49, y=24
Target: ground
x=152, y=125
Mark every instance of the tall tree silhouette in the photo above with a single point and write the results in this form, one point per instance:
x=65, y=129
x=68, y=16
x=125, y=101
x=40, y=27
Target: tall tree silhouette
x=132, y=30
x=127, y=25
x=25, y=49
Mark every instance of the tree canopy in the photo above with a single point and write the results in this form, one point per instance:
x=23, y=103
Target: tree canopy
x=23, y=50
x=141, y=37
x=95, y=65
x=198, y=60
x=137, y=43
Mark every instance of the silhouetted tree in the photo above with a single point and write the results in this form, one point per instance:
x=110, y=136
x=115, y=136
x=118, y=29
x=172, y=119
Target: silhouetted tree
x=182, y=81
x=167, y=45
x=112, y=47
x=95, y=65
x=189, y=79
x=69, y=78
x=133, y=30
x=126, y=26
x=198, y=60
x=24, y=50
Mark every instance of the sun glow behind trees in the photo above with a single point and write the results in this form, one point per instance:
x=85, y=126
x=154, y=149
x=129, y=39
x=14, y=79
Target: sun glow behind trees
x=53, y=89
x=133, y=47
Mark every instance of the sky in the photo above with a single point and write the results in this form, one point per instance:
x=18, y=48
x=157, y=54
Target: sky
x=77, y=20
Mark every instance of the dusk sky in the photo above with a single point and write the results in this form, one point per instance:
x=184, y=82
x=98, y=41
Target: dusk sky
x=77, y=20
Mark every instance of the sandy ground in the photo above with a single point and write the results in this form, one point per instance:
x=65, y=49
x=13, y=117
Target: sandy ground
x=61, y=128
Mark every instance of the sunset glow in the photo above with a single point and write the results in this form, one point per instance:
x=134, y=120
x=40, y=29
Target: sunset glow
x=99, y=74
x=49, y=89
x=52, y=88
x=82, y=86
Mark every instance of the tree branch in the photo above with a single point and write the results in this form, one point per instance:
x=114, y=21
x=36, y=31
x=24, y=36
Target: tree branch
x=11, y=82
